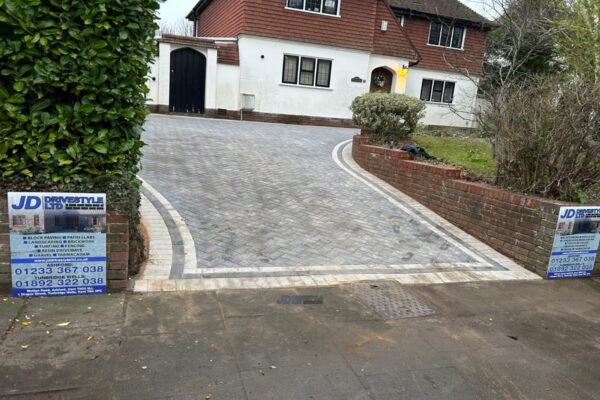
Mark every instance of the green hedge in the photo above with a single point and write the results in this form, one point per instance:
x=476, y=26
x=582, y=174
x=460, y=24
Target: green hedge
x=72, y=90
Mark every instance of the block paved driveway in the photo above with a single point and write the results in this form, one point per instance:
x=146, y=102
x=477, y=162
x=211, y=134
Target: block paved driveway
x=283, y=202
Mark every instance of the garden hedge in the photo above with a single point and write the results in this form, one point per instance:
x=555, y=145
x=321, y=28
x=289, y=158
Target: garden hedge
x=72, y=90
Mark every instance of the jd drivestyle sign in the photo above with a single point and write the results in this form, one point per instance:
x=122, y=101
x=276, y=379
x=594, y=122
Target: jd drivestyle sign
x=57, y=243
x=576, y=241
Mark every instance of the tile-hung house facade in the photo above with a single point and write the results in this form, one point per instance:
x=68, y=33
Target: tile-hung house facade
x=305, y=61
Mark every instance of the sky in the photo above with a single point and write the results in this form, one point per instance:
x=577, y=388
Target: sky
x=172, y=11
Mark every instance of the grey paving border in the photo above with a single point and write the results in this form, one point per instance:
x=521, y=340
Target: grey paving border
x=176, y=240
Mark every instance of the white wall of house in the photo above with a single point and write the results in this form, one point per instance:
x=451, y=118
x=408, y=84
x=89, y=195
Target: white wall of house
x=460, y=112
x=228, y=87
x=152, y=83
x=262, y=77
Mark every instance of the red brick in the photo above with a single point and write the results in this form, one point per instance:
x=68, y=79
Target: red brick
x=117, y=265
x=117, y=284
x=117, y=219
x=118, y=247
x=119, y=256
x=116, y=237
x=118, y=228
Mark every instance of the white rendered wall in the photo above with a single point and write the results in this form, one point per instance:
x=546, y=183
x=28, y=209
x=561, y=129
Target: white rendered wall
x=228, y=86
x=152, y=82
x=210, y=89
x=460, y=112
x=262, y=78
x=163, y=62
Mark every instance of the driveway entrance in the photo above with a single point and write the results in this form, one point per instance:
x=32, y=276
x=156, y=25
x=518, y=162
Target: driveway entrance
x=269, y=205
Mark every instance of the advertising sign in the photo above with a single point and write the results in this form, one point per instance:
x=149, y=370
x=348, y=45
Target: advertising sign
x=57, y=243
x=576, y=241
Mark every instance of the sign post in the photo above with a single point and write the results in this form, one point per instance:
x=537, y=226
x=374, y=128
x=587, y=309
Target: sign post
x=576, y=241
x=57, y=243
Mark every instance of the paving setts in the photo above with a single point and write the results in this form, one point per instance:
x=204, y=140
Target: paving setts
x=251, y=205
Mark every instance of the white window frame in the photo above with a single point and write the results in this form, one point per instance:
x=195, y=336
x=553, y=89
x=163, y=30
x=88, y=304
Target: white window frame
x=462, y=44
x=337, y=13
x=314, y=85
x=433, y=81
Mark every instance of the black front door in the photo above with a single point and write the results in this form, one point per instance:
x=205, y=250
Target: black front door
x=188, y=78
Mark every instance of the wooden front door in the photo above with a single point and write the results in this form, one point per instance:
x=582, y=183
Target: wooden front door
x=188, y=81
x=381, y=80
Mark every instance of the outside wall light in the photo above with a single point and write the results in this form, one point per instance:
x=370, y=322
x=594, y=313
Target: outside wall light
x=403, y=71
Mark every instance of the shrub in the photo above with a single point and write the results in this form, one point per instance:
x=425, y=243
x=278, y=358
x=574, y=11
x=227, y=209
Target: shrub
x=388, y=116
x=72, y=97
x=72, y=89
x=547, y=133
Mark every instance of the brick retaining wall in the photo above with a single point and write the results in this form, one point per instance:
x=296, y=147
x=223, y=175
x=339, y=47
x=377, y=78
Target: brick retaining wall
x=518, y=226
x=117, y=249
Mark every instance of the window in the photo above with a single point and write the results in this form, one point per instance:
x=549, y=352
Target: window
x=290, y=69
x=36, y=220
x=437, y=91
x=446, y=35
x=306, y=71
x=323, y=73
x=299, y=4
x=317, y=6
x=95, y=221
x=18, y=220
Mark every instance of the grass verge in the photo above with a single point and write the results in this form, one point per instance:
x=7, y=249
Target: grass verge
x=473, y=154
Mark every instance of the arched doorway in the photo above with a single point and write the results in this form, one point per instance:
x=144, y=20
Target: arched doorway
x=381, y=80
x=188, y=81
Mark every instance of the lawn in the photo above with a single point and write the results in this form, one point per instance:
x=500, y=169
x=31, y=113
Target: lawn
x=473, y=154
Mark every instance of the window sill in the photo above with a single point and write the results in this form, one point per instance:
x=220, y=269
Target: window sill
x=447, y=47
x=305, y=87
x=313, y=12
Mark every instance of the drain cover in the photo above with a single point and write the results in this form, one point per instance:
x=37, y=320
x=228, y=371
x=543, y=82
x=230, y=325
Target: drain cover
x=391, y=300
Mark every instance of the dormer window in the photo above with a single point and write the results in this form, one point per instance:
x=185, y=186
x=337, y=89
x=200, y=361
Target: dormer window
x=329, y=7
x=444, y=35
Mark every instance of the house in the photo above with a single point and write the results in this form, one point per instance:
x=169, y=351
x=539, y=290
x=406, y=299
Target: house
x=304, y=61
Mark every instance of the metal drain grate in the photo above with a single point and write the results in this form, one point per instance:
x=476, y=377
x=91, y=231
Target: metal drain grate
x=391, y=300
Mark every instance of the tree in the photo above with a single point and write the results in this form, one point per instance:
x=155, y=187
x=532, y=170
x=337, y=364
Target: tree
x=183, y=27
x=579, y=39
x=523, y=42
